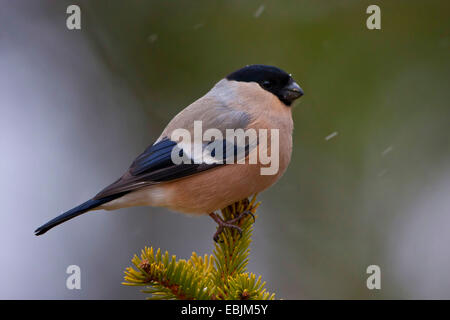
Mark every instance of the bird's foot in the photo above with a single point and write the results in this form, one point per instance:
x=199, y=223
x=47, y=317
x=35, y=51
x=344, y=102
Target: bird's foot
x=228, y=224
x=242, y=215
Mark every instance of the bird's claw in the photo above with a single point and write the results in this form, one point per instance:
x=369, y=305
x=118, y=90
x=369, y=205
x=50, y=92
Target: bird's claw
x=221, y=228
x=229, y=224
x=242, y=215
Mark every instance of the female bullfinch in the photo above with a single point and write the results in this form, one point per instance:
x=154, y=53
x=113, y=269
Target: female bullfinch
x=254, y=99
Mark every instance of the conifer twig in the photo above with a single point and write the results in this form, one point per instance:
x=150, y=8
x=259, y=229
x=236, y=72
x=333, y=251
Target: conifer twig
x=222, y=275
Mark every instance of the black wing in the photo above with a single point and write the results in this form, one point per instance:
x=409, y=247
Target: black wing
x=155, y=165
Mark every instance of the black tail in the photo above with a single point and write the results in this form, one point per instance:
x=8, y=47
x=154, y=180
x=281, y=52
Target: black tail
x=82, y=208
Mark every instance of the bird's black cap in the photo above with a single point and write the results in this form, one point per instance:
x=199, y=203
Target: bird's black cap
x=270, y=78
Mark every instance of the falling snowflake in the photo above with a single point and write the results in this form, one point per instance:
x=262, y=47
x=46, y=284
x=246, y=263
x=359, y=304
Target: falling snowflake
x=387, y=150
x=382, y=173
x=331, y=136
x=198, y=26
x=152, y=38
x=259, y=11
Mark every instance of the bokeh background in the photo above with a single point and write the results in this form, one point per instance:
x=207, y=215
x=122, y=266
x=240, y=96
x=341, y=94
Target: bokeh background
x=78, y=106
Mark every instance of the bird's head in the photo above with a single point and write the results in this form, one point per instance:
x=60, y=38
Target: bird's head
x=271, y=79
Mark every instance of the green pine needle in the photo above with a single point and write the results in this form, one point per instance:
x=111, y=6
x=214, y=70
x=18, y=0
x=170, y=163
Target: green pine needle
x=220, y=276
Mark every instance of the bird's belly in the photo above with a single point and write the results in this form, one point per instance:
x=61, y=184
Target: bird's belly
x=216, y=188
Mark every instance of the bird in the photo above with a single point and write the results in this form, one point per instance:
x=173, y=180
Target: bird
x=255, y=97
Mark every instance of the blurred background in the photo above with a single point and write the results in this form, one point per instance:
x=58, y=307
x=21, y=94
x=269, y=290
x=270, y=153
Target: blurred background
x=369, y=181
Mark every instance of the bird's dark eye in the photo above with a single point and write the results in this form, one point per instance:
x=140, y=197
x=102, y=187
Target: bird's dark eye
x=267, y=83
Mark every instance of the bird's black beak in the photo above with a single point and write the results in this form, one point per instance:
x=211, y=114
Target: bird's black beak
x=291, y=92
